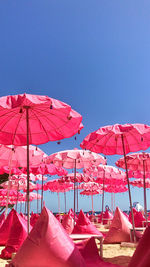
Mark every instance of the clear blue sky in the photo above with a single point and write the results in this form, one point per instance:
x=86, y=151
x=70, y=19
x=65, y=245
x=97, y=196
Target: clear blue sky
x=93, y=55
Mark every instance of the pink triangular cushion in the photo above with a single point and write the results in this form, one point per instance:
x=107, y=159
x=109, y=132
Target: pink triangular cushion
x=84, y=226
x=141, y=256
x=17, y=235
x=119, y=229
x=2, y=218
x=68, y=223
x=48, y=245
x=33, y=219
x=89, y=251
x=138, y=218
x=5, y=228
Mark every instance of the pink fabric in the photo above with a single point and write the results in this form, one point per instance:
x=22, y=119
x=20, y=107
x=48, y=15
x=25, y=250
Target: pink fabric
x=84, y=226
x=48, y=245
x=80, y=178
x=59, y=217
x=108, y=140
x=89, y=251
x=5, y=228
x=33, y=219
x=71, y=213
x=17, y=155
x=84, y=159
x=2, y=218
x=49, y=119
x=119, y=229
x=141, y=256
x=135, y=162
x=138, y=218
x=68, y=223
x=17, y=235
x=107, y=215
x=57, y=186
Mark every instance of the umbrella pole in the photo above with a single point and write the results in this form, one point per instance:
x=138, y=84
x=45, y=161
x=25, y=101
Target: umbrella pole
x=65, y=202
x=145, y=203
x=112, y=203
x=20, y=207
x=17, y=196
x=77, y=196
x=134, y=236
x=58, y=203
x=28, y=197
x=74, y=190
x=10, y=165
x=42, y=195
x=37, y=203
x=103, y=200
x=92, y=203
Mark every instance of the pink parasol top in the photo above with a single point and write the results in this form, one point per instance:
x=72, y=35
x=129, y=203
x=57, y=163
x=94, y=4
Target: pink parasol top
x=57, y=186
x=16, y=156
x=140, y=183
x=82, y=159
x=80, y=178
x=49, y=119
x=115, y=189
x=108, y=139
x=135, y=162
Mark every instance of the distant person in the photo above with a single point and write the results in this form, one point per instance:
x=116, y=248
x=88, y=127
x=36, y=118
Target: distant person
x=138, y=207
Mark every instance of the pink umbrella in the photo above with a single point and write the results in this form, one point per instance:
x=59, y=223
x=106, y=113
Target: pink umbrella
x=80, y=178
x=31, y=119
x=138, y=162
x=90, y=192
x=57, y=186
x=115, y=189
x=16, y=156
x=76, y=159
x=13, y=156
x=106, y=175
x=119, y=139
x=140, y=183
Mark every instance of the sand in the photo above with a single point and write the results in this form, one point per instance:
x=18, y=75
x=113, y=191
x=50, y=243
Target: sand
x=111, y=253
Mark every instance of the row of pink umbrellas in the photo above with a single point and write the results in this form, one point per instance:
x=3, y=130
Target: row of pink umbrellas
x=28, y=119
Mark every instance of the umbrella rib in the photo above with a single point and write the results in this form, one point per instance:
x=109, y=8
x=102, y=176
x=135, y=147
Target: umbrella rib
x=7, y=120
x=17, y=126
x=51, y=123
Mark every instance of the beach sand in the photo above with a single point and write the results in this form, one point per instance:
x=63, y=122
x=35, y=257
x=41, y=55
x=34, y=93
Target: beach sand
x=111, y=253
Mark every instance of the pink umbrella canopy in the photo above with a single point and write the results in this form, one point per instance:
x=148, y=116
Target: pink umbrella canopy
x=119, y=139
x=91, y=186
x=135, y=162
x=138, y=174
x=49, y=119
x=57, y=186
x=106, y=175
x=105, y=171
x=138, y=162
x=91, y=192
x=115, y=189
x=16, y=156
x=76, y=159
x=140, y=183
x=50, y=169
x=108, y=139
x=34, y=119
x=80, y=178
x=80, y=158
x=19, y=185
